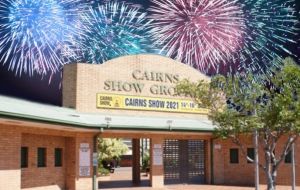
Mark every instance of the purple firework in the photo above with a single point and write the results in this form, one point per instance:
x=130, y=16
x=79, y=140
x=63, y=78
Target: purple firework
x=200, y=33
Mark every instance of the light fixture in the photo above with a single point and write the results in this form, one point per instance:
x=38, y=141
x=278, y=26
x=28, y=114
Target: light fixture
x=108, y=120
x=169, y=123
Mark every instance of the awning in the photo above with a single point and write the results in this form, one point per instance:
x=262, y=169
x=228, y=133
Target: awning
x=22, y=109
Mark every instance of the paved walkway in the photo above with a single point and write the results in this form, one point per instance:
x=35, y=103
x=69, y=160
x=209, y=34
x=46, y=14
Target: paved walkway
x=121, y=180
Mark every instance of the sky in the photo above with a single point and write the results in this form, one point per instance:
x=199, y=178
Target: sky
x=37, y=88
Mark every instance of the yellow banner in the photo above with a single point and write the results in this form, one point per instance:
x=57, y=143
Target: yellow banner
x=114, y=101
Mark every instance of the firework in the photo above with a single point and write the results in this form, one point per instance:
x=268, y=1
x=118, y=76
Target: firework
x=33, y=34
x=198, y=32
x=111, y=30
x=209, y=33
x=271, y=28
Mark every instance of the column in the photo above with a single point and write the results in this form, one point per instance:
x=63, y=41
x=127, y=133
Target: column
x=84, y=165
x=136, y=173
x=208, y=161
x=218, y=161
x=70, y=160
x=156, y=162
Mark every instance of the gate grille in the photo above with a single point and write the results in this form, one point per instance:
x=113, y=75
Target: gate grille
x=184, y=161
x=196, y=156
x=171, y=160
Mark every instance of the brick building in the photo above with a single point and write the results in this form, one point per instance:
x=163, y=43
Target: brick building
x=50, y=147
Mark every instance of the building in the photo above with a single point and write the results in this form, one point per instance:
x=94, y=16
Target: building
x=50, y=147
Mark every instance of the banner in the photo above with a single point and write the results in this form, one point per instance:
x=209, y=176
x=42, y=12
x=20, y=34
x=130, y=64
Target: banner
x=114, y=101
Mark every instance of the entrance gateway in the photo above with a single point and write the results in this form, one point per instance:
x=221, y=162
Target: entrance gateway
x=133, y=97
x=130, y=97
x=137, y=96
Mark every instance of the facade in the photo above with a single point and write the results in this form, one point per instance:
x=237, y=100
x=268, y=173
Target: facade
x=131, y=97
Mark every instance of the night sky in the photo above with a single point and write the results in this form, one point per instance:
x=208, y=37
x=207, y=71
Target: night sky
x=38, y=89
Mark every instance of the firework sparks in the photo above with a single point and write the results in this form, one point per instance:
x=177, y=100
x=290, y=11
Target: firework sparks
x=201, y=32
x=271, y=26
x=33, y=35
x=209, y=33
x=111, y=30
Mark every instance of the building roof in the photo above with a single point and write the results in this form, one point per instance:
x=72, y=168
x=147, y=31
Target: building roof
x=27, y=110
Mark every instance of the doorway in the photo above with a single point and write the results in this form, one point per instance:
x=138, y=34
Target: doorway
x=129, y=168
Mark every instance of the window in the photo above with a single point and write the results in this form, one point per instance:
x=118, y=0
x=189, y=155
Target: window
x=288, y=158
x=250, y=154
x=24, y=157
x=234, y=156
x=58, y=157
x=41, y=158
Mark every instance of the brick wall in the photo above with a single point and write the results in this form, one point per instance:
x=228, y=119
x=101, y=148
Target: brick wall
x=69, y=85
x=49, y=177
x=243, y=172
x=13, y=177
x=82, y=82
x=70, y=160
x=56, y=178
x=126, y=161
x=10, y=173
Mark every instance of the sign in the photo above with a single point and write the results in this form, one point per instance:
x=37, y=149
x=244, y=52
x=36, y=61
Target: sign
x=95, y=159
x=164, y=83
x=114, y=101
x=84, y=159
x=157, y=155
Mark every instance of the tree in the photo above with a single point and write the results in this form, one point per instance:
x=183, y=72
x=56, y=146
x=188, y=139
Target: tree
x=239, y=105
x=110, y=149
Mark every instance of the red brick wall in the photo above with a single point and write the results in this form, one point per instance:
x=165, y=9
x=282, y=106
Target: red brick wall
x=243, y=172
x=126, y=161
x=70, y=163
x=12, y=177
x=49, y=177
x=10, y=174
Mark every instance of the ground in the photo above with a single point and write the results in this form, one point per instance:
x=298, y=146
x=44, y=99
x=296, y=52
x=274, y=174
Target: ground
x=121, y=180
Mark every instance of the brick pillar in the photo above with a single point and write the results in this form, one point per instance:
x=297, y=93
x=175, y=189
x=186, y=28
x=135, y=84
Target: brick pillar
x=10, y=146
x=218, y=162
x=84, y=180
x=208, y=164
x=79, y=152
x=156, y=163
x=70, y=160
x=136, y=171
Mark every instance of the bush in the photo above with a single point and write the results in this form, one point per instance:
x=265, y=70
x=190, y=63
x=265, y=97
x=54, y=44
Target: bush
x=146, y=162
x=103, y=171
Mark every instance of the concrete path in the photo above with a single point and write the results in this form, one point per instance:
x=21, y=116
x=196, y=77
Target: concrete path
x=121, y=180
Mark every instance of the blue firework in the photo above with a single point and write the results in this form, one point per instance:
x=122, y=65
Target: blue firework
x=271, y=28
x=34, y=33
x=111, y=30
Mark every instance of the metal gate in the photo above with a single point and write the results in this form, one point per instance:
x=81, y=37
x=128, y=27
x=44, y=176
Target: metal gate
x=184, y=161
